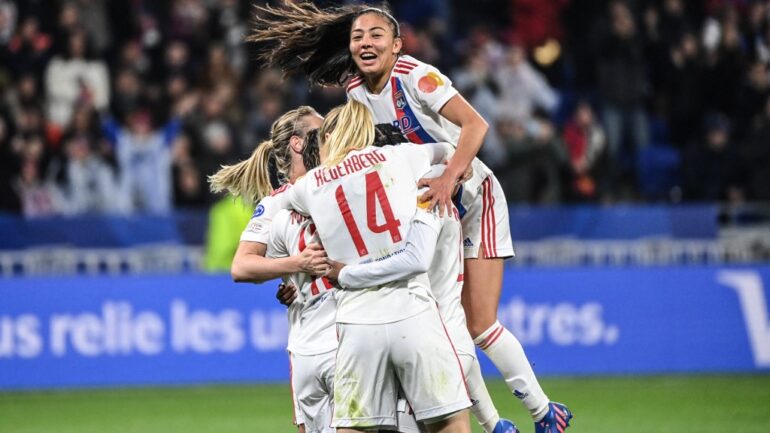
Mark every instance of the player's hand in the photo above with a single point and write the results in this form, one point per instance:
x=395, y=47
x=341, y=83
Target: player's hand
x=333, y=272
x=312, y=260
x=439, y=192
x=467, y=175
x=286, y=294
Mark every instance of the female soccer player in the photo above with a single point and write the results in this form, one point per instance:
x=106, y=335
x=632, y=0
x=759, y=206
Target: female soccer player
x=264, y=254
x=360, y=45
x=282, y=235
x=362, y=199
x=250, y=180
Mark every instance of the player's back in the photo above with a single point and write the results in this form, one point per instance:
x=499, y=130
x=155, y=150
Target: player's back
x=312, y=314
x=362, y=208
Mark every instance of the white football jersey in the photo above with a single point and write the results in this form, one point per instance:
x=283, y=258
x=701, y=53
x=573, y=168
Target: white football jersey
x=446, y=269
x=411, y=100
x=311, y=316
x=258, y=228
x=362, y=208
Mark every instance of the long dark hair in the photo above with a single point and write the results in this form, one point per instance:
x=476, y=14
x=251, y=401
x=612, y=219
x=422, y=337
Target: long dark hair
x=301, y=37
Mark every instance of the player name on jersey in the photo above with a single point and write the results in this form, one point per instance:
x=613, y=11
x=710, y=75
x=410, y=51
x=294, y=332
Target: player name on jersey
x=350, y=165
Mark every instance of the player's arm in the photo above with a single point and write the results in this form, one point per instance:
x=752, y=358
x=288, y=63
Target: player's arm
x=415, y=259
x=251, y=265
x=473, y=128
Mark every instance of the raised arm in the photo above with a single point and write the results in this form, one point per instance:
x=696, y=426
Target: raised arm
x=473, y=129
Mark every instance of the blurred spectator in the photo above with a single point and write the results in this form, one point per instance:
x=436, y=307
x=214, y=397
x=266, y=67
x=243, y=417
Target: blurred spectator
x=725, y=64
x=128, y=94
x=89, y=183
x=585, y=141
x=684, y=89
x=535, y=21
x=750, y=98
x=9, y=166
x=92, y=15
x=8, y=15
x=75, y=78
x=183, y=64
x=621, y=79
x=536, y=159
x=711, y=171
x=523, y=88
x=756, y=157
x=476, y=82
x=29, y=49
x=144, y=159
x=39, y=196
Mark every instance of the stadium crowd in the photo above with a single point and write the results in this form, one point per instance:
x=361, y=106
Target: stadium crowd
x=125, y=107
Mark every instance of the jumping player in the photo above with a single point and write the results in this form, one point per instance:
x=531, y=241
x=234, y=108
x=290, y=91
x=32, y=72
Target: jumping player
x=362, y=199
x=360, y=45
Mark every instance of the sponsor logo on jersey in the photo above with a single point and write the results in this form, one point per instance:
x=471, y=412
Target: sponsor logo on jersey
x=400, y=99
x=430, y=82
x=258, y=211
x=407, y=120
x=467, y=243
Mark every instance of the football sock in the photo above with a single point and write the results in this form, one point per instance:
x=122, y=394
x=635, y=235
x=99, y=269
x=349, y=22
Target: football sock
x=483, y=408
x=506, y=353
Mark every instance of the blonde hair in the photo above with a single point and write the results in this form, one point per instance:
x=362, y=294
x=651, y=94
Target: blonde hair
x=350, y=127
x=250, y=179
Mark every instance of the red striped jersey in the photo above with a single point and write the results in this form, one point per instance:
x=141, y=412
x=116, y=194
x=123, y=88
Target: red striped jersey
x=312, y=314
x=411, y=100
x=362, y=208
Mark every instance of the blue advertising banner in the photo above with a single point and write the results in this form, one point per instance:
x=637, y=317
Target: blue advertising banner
x=107, y=331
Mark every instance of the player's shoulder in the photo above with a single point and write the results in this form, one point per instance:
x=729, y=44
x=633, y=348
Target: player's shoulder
x=272, y=203
x=282, y=217
x=407, y=65
x=280, y=190
x=355, y=85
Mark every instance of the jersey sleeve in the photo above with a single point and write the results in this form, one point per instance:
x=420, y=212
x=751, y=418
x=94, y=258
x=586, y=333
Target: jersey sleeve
x=258, y=228
x=276, y=245
x=413, y=260
x=432, y=88
x=294, y=198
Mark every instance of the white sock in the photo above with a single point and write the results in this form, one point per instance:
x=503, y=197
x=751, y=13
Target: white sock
x=506, y=353
x=483, y=408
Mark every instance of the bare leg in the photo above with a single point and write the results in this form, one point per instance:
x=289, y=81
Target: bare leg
x=457, y=423
x=480, y=299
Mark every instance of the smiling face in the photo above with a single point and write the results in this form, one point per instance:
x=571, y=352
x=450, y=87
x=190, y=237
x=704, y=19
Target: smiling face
x=373, y=44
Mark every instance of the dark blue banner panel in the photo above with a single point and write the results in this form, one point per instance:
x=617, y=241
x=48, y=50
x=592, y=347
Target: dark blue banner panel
x=74, y=332
x=527, y=223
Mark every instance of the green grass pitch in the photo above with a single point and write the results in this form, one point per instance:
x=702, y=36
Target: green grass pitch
x=655, y=404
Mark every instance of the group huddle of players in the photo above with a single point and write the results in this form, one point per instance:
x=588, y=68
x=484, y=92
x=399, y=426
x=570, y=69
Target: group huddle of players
x=393, y=235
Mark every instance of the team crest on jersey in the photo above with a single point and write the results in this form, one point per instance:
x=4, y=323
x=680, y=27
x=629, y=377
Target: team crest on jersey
x=430, y=82
x=258, y=211
x=400, y=100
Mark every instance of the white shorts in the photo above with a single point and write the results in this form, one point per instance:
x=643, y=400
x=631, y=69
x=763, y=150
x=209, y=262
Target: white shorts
x=454, y=320
x=486, y=225
x=312, y=387
x=374, y=360
x=407, y=423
